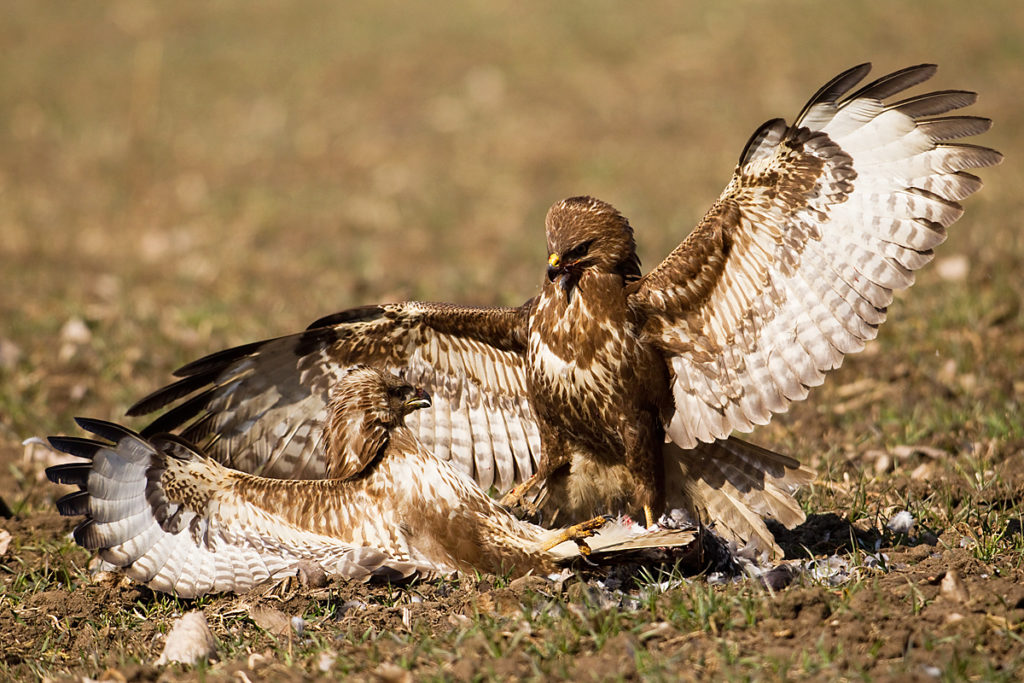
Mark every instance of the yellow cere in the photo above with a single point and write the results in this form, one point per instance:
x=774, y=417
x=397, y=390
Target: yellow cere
x=553, y=260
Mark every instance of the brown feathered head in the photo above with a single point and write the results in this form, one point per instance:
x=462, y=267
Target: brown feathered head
x=584, y=232
x=364, y=407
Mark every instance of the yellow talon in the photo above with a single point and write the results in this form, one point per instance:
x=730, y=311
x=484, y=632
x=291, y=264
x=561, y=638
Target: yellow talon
x=649, y=514
x=577, y=532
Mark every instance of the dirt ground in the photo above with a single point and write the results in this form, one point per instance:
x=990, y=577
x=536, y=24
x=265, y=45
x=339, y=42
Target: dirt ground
x=178, y=179
x=906, y=611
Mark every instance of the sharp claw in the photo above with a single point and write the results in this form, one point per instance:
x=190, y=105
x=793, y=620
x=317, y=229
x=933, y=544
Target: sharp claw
x=577, y=533
x=649, y=515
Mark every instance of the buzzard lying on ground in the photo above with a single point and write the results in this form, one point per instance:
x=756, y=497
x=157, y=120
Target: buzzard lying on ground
x=622, y=390
x=181, y=523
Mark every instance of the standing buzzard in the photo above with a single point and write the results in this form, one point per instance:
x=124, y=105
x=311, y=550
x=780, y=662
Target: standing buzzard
x=622, y=390
x=182, y=523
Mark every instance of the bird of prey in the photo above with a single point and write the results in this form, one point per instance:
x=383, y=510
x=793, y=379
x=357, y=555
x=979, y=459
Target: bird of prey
x=184, y=524
x=622, y=391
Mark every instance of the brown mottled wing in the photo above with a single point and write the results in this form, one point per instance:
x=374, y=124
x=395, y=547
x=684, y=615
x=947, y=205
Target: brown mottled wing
x=261, y=408
x=795, y=264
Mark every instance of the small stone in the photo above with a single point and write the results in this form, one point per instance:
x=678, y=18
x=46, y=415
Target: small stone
x=953, y=588
x=954, y=618
x=5, y=541
x=391, y=673
x=904, y=452
x=501, y=603
x=189, y=641
x=923, y=471
x=111, y=675
x=529, y=582
x=325, y=662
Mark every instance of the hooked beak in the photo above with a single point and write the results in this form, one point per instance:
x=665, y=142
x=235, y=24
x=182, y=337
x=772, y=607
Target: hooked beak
x=554, y=266
x=421, y=399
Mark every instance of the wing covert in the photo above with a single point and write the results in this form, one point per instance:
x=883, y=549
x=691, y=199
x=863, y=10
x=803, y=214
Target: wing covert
x=262, y=407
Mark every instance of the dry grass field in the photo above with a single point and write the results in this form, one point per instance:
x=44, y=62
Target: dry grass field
x=177, y=178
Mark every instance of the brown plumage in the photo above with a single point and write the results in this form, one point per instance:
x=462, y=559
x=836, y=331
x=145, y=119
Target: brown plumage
x=625, y=389
x=182, y=523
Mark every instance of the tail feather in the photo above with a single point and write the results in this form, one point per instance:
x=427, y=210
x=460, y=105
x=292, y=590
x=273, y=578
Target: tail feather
x=74, y=504
x=108, y=430
x=75, y=445
x=736, y=521
x=735, y=485
x=126, y=514
x=132, y=549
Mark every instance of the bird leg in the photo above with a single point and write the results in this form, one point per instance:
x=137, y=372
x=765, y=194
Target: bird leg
x=645, y=461
x=517, y=496
x=576, y=533
x=554, y=456
x=649, y=515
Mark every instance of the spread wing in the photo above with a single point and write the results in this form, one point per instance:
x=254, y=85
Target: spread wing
x=262, y=407
x=796, y=262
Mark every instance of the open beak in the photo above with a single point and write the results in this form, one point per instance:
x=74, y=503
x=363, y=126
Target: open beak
x=421, y=399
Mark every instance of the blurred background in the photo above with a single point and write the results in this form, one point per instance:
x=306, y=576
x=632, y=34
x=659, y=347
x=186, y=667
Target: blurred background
x=179, y=177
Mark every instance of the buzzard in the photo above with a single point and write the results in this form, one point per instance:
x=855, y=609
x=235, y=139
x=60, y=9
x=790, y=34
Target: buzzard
x=621, y=391
x=182, y=523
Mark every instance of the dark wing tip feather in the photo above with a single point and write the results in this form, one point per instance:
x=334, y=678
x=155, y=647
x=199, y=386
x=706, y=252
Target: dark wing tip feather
x=73, y=473
x=172, y=392
x=935, y=103
x=87, y=536
x=314, y=339
x=976, y=156
x=215, y=362
x=74, y=504
x=176, y=446
x=76, y=445
x=954, y=127
x=108, y=430
x=897, y=81
x=837, y=87
x=759, y=136
x=351, y=315
x=180, y=414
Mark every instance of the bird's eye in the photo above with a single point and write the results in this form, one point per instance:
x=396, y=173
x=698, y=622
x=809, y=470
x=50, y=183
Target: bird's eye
x=579, y=251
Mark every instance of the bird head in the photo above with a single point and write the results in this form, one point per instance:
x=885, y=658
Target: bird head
x=381, y=396
x=405, y=398
x=585, y=233
x=366, y=406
